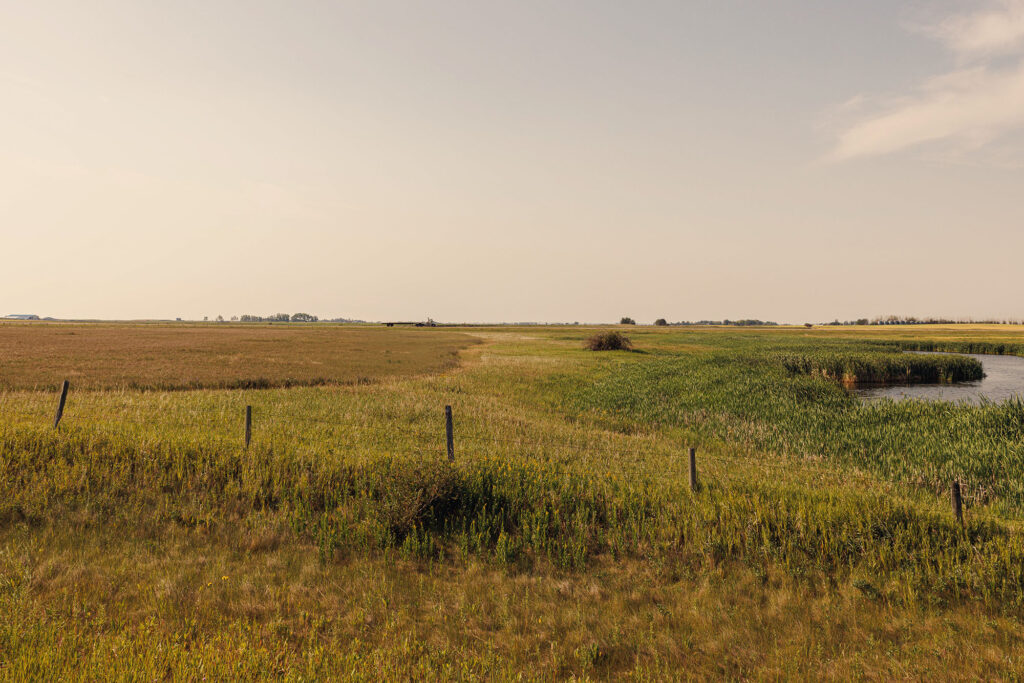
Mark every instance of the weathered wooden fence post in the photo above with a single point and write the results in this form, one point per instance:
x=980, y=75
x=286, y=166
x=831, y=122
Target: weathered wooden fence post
x=693, y=469
x=958, y=508
x=449, y=433
x=248, y=425
x=60, y=405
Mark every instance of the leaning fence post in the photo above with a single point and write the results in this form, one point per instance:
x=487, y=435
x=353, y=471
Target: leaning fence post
x=248, y=425
x=60, y=405
x=958, y=509
x=449, y=433
x=693, y=469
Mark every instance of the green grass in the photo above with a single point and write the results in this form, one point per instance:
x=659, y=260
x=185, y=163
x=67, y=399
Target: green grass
x=118, y=528
x=963, y=346
x=515, y=512
x=741, y=394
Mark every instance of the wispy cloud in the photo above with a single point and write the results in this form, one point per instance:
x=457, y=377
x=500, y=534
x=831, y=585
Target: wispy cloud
x=998, y=29
x=966, y=108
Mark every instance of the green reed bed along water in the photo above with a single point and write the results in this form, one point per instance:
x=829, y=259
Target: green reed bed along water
x=981, y=347
x=741, y=394
x=884, y=368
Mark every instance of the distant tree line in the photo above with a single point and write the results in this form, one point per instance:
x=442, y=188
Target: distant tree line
x=858, y=321
x=912, y=320
x=661, y=322
x=748, y=322
x=664, y=323
x=280, y=318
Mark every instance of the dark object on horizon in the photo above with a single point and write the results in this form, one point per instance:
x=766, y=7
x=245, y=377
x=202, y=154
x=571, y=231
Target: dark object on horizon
x=608, y=341
x=661, y=322
x=627, y=321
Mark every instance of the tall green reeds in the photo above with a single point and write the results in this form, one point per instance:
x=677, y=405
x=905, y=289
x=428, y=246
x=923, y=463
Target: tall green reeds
x=852, y=368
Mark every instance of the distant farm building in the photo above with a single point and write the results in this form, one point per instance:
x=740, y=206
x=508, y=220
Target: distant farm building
x=21, y=316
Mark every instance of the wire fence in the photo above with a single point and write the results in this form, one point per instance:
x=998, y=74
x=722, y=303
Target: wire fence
x=418, y=440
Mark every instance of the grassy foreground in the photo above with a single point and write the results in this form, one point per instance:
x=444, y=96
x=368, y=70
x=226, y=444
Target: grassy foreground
x=142, y=540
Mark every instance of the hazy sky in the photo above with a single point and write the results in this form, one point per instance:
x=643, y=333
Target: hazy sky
x=484, y=161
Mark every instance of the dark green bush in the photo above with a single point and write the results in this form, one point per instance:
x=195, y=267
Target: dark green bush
x=609, y=341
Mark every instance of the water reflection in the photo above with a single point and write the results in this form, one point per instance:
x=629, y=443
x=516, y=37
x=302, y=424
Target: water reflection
x=1004, y=377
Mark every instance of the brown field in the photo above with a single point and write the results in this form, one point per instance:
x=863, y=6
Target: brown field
x=169, y=357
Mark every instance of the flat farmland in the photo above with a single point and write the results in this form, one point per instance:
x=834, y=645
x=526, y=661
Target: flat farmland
x=224, y=356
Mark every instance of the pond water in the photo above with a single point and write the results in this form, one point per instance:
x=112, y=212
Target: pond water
x=1004, y=377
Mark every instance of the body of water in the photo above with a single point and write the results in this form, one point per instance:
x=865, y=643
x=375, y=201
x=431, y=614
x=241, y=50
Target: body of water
x=1004, y=377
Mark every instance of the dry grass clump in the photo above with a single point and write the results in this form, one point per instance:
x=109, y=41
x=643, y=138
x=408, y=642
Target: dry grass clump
x=608, y=341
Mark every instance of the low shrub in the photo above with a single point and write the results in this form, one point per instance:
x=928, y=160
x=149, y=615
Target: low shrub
x=609, y=341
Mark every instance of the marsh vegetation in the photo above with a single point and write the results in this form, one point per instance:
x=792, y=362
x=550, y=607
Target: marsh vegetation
x=879, y=367
x=563, y=541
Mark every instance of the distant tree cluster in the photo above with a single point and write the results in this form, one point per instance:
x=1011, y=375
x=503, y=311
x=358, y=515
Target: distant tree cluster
x=280, y=318
x=912, y=320
x=750, y=322
x=664, y=323
x=858, y=321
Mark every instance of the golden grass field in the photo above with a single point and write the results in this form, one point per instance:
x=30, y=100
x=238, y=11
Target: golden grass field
x=141, y=540
x=182, y=356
